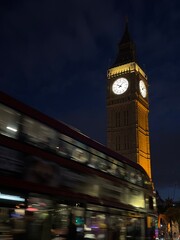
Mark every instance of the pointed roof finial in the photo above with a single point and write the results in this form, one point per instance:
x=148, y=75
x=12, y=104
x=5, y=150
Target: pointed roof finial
x=126, y=23
x=127, y=51
x=126, y=37
x=126, y=20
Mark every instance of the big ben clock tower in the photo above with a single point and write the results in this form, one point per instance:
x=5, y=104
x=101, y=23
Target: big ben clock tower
x=128, y=106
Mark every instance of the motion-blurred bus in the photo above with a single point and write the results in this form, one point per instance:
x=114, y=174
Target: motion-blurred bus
x=49, y=170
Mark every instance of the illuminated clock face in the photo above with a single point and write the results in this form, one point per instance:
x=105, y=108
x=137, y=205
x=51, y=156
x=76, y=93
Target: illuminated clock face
x=142, y=88
x=120, y=86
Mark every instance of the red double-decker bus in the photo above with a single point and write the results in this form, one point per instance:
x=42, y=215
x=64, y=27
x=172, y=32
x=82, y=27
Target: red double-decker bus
x=52, y=174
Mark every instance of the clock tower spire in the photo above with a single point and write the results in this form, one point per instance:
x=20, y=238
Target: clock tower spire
x=128, y=105
x=127, y=49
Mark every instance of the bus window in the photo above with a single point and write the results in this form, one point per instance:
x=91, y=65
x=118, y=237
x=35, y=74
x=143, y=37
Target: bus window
x=65, y=145
x=79, y=155
x=103, y=163
x=39, y=134
x=79, y=152
x=93, y=160
x=9, y=122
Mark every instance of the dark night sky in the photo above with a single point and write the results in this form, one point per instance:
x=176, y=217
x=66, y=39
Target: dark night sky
x=54, y=57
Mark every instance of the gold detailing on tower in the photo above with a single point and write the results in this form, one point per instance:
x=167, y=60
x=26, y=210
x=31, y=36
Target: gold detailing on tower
x=125, y=68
